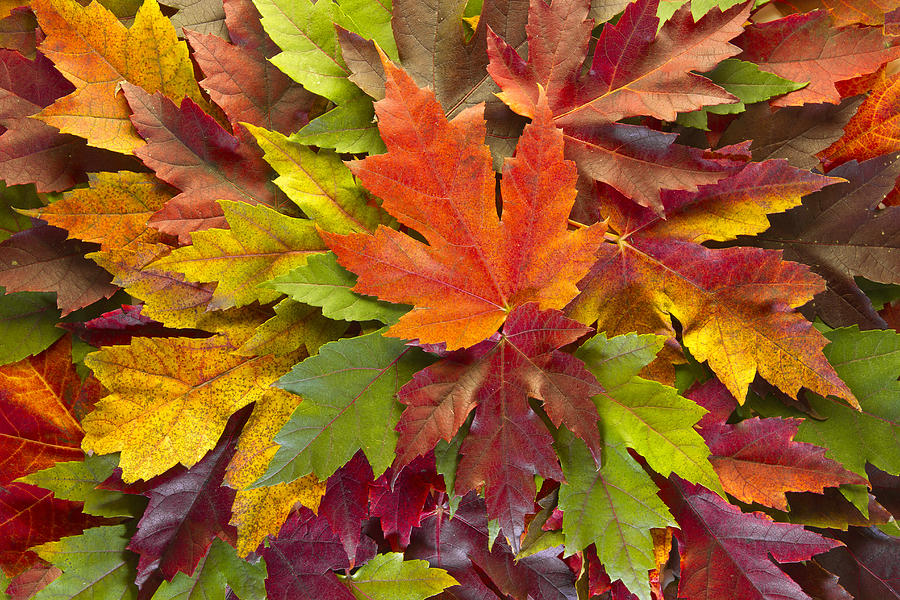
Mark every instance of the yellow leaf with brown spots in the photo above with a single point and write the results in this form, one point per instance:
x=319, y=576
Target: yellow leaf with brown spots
x=94, y=51
x=259, y=512
x=170, y=399
x=112, y=212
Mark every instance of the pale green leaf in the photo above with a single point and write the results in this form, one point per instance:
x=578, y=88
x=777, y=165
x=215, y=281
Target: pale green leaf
x=323, y=282
x=260, y=244
x=372, y=20
x=78, y=481
x=320, y=184
x=349, y=404
x=645, y=415
x=389, y=577
x=219, y=567
x=349, y=128
x=613, y=507
x=95, y=565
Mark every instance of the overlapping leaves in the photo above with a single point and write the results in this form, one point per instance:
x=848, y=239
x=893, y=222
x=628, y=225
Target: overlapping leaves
x=458, y=332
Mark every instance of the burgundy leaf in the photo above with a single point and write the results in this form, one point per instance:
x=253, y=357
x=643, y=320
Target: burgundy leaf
x=345, y=504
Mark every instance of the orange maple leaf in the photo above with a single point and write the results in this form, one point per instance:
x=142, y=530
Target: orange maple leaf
x=436, y=178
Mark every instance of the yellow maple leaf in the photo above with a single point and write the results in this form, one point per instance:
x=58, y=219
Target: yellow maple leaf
x=261, y=511
x=170, y=399
x=112, y=212
x=94, y=51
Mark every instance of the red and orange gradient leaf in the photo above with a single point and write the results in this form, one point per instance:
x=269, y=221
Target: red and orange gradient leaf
x=436, y=178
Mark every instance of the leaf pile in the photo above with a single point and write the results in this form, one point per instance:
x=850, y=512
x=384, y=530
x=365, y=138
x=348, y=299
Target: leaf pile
x=467, y=299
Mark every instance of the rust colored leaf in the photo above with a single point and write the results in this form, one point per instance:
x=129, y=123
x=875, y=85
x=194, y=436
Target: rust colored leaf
x=41, y=259
x=757, y=459
x=189, y=150
x=41, y=400
x=437, y=179
x=804, y=47
x=874, y=129
x=240, y=79
x=867, y=12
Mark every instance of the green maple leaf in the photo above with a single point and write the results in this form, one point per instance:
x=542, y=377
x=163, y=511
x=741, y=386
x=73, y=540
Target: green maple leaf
x=323, y=282
x=389, y=577
x=349, y=404
x=645, y=415
x=78, y=481
x=95, y=564
x=320, y=184
x=868, y=361
x=613, y=507
x=311, y=56
x=219, y=567
x=260, y=244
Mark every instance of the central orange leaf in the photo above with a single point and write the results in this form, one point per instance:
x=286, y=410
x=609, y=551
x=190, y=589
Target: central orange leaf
x=436, y=178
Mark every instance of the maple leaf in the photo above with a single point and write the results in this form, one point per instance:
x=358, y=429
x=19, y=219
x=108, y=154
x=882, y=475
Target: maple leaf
x=460, y=543
x=803, y=47
x=94, y=562
x=187, y=509
x=30, y=516
x=345, y=504
x=41, y=400
x=32, y=151
x=241, y=80
x=299, y=561
x=841, y=233
x=311, y=56
x=867, y=566
x=389, y=577
x=873, y=129
x=348, y=404
x=97, y=53
x=82, y=481
x=613, y=507
x=756, y=459
x=258, y=512
x=294, y=326
x=167, y=297
x=30, y=318
x=188, y=149
x=867, y=361
x=635, y=71
x=112, y=212
x=650, y=274
x=645, y=415
x=217, y=572
x=319, y=184
x=867, y=12
x=432, y=35
x=795, y=133
x=259, y=244
x=399, y=501
x=476, y=267
x=118, y=327
x=170, y=399
x=323, y=282
x=41, y=259
x=718, y=538
x=505, y=446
